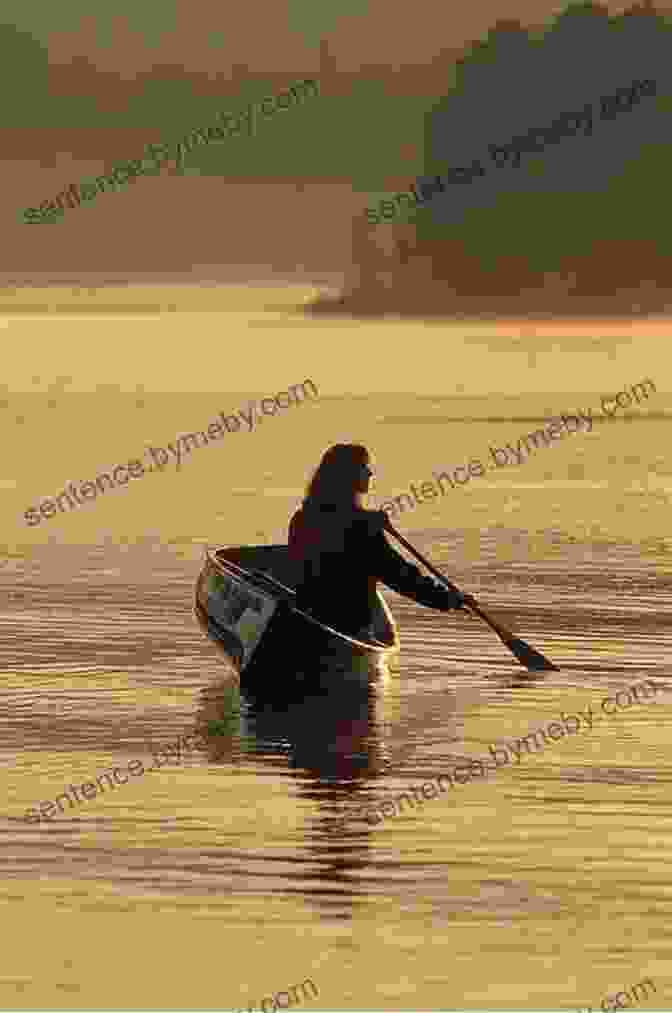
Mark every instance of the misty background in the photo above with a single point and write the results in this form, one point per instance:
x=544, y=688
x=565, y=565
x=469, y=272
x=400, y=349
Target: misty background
x=97, y=86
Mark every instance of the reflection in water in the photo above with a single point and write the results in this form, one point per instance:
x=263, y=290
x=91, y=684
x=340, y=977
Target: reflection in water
x=516, y=680
x=335, y=743
x=218, y=720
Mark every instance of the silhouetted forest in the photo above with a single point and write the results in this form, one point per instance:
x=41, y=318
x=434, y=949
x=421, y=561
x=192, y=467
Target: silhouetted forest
x=583, y=223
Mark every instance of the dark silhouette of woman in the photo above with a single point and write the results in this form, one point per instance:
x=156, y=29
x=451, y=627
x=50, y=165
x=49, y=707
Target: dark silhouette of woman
x=341, y=550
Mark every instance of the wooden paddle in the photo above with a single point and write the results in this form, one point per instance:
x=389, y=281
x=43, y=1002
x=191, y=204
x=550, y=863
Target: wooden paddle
x=532, y=660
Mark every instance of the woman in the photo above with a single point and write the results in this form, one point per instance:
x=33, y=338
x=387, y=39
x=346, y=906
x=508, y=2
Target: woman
x=342, y=551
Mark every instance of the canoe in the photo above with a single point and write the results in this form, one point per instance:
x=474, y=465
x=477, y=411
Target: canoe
x=244, y=603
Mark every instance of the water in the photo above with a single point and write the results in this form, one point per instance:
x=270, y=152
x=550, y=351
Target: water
x=247, y=867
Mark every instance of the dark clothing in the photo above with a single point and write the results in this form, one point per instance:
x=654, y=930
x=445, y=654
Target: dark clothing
x=342, y=554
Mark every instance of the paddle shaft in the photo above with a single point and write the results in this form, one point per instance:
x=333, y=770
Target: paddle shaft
x=501, y=631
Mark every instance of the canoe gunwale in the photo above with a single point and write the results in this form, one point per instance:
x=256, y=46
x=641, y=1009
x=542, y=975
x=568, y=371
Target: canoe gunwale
x=361, y=646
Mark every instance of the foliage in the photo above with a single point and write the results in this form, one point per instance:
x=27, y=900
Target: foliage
x=612, y=183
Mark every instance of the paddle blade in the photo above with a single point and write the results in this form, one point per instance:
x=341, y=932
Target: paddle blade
x=532, y=660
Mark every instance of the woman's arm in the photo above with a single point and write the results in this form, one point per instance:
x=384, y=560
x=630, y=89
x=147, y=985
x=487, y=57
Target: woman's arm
x=405, y=578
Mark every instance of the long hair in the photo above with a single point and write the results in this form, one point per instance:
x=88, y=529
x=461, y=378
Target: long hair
x=335, y=479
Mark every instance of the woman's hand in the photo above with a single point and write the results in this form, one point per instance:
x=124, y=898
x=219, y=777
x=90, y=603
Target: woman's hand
x=455, y=599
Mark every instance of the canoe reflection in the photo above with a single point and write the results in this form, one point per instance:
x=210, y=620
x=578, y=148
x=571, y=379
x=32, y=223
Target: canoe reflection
x=333, y=735
x=328, y=757
x=336, y=742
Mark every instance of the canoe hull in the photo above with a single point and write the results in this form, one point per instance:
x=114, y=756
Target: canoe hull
x=270, y=642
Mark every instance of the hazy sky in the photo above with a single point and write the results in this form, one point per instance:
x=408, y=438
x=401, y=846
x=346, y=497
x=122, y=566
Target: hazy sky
x=135, y=231
x=264, y=35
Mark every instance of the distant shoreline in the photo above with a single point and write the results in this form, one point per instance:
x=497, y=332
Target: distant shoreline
x=154, y=296
x=246, y=276
x=311, y=295
x=533, y=307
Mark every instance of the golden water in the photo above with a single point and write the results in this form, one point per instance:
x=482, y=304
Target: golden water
x=239, y=872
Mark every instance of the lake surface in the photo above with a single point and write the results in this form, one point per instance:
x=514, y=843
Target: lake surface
x=245, y=868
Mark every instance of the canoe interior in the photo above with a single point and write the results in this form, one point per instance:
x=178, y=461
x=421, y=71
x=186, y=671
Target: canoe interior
x=274, y=560
x=271, y=559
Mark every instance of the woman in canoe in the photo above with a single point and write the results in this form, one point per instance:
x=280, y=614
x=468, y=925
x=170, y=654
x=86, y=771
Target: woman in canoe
x=342, y=551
